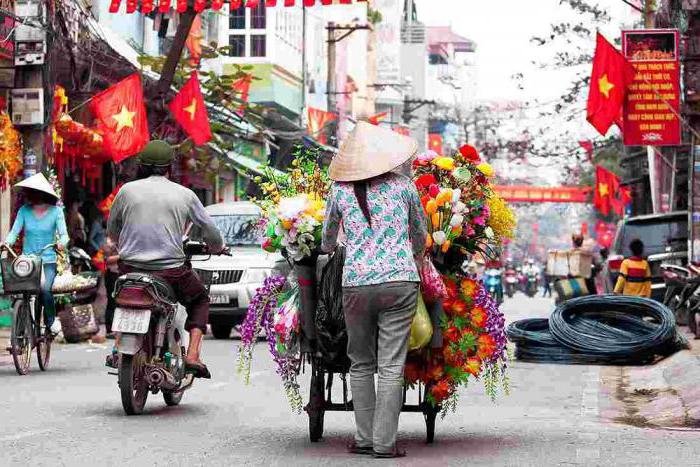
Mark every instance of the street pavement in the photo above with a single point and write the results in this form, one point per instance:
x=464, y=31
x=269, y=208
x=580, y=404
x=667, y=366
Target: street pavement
x=72, y=415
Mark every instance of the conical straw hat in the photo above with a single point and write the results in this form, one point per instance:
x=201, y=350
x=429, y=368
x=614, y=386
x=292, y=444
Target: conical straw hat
x=370, y=151
x=37, y=182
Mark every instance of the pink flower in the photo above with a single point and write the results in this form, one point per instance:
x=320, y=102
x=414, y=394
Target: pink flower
x=479, y=221
x=470, y=231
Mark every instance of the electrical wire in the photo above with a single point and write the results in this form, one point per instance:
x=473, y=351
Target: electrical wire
x=599, y=330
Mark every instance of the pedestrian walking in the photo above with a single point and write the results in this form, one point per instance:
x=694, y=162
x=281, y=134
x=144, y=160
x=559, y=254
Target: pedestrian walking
x=43, y=224
x=381, y=214
x=76, y=226
x=635, y=274
x=547, y=281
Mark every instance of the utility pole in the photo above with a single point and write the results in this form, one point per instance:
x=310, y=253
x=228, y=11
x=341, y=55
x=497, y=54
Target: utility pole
x=649, y=6
x=303, y=66
x=330, y=86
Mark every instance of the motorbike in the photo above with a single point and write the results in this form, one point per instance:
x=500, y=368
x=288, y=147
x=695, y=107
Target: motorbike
x=80, y=261
x=511, y=282
x=531, y=287
x=150, y=355
x=494, y=284
x=683, y=294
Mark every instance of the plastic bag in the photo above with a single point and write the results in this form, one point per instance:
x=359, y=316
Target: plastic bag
x=431, y=283
x=421, y=327
x=330, y=322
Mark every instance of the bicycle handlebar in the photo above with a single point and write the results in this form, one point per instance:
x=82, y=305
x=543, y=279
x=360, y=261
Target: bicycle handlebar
x=6, y=246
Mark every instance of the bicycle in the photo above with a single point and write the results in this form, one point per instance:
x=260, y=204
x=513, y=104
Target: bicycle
x=21, y=276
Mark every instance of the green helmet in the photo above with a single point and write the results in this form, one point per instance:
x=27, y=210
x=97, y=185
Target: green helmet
x=157, y=153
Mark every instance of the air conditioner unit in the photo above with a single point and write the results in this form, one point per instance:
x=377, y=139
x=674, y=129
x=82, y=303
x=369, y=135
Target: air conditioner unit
x=28, y=8
x=28, y=106
x=30, y=45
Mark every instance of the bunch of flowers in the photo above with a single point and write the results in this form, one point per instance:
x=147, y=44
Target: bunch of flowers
x=293, y=204
x=277, y=312
x=10, y=151
x=474, y=345
x=457, y=196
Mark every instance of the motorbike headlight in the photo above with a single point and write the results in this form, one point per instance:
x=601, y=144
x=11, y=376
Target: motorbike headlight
x=23, y=267
x=256, y=275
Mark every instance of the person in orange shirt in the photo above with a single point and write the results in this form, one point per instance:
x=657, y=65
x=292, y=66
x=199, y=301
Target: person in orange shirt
x=635, y=274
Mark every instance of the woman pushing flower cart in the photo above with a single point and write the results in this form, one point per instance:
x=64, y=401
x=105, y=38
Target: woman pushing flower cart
x=406, y=222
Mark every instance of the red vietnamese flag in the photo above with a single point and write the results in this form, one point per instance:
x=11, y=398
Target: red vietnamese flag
x=376, y=119
x=607, y=185
x=190, y=111
x=435, y=142
x=121, y=118
x=608, y=86
x=316, y=125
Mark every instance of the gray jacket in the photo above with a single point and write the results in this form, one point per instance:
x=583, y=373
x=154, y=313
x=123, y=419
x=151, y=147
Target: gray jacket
x=148, y=220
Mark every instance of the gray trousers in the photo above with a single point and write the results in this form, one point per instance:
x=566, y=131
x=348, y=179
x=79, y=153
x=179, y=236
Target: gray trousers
x=378, y=320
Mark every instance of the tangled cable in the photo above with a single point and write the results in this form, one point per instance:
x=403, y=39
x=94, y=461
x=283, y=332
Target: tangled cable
x=599, y=329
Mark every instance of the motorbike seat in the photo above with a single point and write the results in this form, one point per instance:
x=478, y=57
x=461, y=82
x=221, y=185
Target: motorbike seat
x=159, y=286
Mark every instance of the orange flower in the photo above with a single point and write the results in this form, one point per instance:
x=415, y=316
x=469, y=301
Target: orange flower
x=459, y=308
x=435, y=371
x=478, y=317
x=468, y=287
x=441, y=391
x=486, y=346
x=473, y=366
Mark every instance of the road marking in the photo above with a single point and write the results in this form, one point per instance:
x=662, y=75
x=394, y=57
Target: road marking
x=588, y=435
x=23, y=434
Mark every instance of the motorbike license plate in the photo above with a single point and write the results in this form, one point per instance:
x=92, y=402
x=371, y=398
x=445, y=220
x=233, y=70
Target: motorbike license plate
x=132, y=321
x=219, y=299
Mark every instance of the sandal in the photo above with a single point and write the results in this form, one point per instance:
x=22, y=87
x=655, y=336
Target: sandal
x=353, y=448
x=395, y=454
x=198, y=369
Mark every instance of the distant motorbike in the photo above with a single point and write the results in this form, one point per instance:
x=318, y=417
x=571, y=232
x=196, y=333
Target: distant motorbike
x=531, y=286
x=511, y=282
x=80, y=261
x=683, y=295
x=153, y=341
x=494, y=284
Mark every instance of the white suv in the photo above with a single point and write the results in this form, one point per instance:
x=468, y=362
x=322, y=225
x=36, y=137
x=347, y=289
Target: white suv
x=235, y=278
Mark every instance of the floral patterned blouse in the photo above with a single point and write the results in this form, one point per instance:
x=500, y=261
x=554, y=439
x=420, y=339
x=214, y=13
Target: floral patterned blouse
x=385, y=251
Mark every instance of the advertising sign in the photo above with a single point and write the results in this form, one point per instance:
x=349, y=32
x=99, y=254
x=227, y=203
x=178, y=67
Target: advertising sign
x=694, y=206
x=7, y=24
x=653, y=99
x=389, y=40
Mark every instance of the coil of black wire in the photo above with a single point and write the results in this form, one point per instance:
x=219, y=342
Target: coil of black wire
x=600, y=330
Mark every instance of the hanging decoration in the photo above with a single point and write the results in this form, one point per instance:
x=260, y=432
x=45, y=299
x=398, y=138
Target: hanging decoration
x=10, y=151
x=164, y=6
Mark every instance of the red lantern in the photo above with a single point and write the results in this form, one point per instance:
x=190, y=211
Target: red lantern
x=181, y=6
x=164, y=6
x=271, y=3
x=114, y=6
x=199, y=5
x=309, y=2
x=146, y=6
x=289, y=2
x=236, y=4
x=131, y=6
x=217, y=4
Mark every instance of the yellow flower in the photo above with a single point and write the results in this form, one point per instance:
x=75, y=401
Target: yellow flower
x=502, y=220
x=486, y=169
x=444, y=163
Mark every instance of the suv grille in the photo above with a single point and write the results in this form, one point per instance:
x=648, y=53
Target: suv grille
x=226, y=277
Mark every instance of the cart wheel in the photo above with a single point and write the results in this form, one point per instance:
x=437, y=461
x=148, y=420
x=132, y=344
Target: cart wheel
x=315, y=407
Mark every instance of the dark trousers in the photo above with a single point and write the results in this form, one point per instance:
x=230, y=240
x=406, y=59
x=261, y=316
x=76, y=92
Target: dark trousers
x=110, y=279
x=188, y=289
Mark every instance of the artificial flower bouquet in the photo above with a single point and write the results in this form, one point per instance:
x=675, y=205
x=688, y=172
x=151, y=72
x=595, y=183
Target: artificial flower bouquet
x=293, y=204
x=474, y=346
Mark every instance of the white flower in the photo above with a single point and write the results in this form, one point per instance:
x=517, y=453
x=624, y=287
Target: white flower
x=489, y=232
x=459, y=207
x=291, y=208
x=456, y=220
x=439, y=237
x=456, y=194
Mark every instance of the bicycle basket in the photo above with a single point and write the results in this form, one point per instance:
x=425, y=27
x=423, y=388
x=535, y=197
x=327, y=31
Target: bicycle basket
x=21, y=274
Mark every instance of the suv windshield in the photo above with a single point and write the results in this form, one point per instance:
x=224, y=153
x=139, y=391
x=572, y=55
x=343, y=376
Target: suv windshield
x=656, y=237
x=239, y=230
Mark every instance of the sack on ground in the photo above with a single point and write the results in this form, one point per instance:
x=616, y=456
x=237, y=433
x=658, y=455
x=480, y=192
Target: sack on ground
x=421, y=327
x=78, y=322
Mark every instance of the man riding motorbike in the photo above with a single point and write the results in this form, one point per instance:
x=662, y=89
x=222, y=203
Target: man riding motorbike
x=148, y=221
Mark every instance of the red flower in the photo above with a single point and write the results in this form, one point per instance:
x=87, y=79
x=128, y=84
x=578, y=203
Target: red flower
x=424, y=181
x=453, y=357
x=441, y=391
x=459, y=308
x=434, y=190
x=452, y=334
x=473, y=366
x=412, y=372
x=478, y=317
x=486, y=346
x=452, y=290
x=470, y=153
x=424, y=200
x=435, y=371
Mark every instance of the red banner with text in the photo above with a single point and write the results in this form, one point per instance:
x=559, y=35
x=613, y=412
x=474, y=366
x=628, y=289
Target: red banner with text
x=652, y=107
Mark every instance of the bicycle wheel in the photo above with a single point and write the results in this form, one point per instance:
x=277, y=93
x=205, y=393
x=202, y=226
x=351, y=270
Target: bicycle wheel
x=43, y=337
x=22, y=337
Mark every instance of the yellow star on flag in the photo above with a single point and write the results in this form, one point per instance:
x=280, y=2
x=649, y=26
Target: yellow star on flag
x=192, y=108
x=604, y=86
x=603, y=189
x=124, y=118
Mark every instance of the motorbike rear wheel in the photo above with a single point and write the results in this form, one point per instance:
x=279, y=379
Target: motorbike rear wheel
x=132, y=383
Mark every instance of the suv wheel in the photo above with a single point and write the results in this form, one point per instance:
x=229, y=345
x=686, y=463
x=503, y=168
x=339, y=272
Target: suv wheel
x=221, y=331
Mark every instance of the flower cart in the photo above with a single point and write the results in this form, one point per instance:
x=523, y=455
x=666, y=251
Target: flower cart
x=303, y=317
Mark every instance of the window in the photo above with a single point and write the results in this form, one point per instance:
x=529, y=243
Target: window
x=237, y=44
x=258, y=17
x=236, y=18
x=257, y=45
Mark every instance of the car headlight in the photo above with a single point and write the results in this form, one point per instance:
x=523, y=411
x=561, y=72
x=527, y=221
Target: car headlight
x=256, y=275
x=23, y=267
